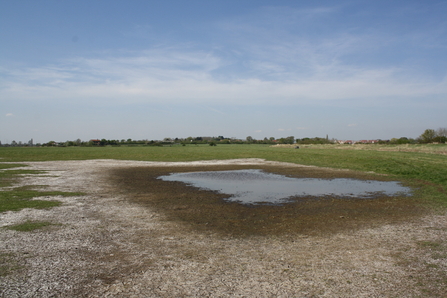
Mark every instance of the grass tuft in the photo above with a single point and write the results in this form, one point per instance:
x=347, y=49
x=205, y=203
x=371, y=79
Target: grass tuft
x=22, y=197
x=29, y=226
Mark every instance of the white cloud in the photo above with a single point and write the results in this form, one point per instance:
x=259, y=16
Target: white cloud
x=188, y=77
x=9, y=115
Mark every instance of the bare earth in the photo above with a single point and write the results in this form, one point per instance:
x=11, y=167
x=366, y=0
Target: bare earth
x=103, y=245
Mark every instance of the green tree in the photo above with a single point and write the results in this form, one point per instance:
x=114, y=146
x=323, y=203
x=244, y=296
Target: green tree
x=288, y=140
x=403, y=140
x=441, y=132
x=428, y=136
x=441, y=135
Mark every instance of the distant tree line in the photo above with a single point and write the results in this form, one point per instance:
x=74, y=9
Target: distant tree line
x=315, y=140
x=428, y=136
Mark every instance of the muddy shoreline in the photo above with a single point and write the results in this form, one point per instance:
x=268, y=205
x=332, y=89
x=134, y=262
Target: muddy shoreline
x=207, y=211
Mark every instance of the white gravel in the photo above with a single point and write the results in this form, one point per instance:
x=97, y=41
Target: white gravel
x=104, y=246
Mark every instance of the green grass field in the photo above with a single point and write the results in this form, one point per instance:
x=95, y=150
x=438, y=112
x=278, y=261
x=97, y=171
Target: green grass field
x=420, y=164
x=425, y=165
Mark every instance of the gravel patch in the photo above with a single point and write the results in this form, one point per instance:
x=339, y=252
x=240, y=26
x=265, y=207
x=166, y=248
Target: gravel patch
x=103, y=245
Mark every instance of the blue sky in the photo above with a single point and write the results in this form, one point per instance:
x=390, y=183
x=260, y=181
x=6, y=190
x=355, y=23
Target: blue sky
x=156, y=69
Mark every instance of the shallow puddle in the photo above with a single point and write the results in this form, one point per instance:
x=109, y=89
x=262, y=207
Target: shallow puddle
x=255, y=186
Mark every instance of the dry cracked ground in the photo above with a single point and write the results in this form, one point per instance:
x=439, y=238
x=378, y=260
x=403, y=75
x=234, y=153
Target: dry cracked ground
x=112, y=242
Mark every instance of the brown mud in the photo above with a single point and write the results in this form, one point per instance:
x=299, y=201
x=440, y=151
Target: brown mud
x=207, y=211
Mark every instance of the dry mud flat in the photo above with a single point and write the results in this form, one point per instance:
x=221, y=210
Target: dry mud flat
x=109, y=243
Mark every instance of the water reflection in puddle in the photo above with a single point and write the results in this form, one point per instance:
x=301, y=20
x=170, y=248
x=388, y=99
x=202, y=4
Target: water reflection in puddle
x=255, y=186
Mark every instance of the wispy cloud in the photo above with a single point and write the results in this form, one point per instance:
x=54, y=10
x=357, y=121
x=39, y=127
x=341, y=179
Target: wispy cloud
x=9, y=115
x=216, y=111
x=284, y=129
x=188, y=77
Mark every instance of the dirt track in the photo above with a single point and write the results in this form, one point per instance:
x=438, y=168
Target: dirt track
x=106, y=245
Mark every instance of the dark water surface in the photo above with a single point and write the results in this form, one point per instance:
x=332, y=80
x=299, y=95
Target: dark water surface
x=256, y=186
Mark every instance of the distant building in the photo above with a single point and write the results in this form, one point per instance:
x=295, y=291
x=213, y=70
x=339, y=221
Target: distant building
x=95, y=142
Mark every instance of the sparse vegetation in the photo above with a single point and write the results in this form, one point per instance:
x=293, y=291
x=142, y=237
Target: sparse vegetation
x=18, y=198
x=7, y=264
x=29, y=226
x=24, y=197
x=7, y=177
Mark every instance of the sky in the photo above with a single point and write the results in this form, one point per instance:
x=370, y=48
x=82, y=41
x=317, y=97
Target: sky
x=156, y=69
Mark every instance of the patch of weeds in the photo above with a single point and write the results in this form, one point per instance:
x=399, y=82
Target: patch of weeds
x=8, y=177
x=22, y=197
x=4, y=166
x=7, y=264
x=440, y=255
x=430, y=244
x=29, y=226
x=432, y=266
x=430, y=275
x=22, y=172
